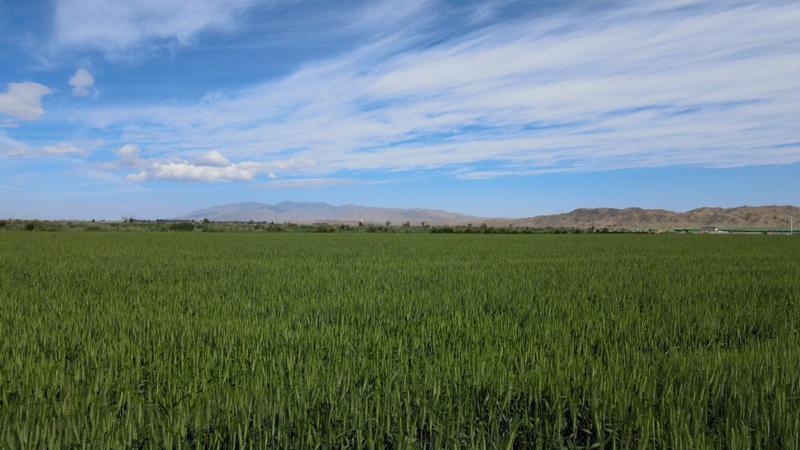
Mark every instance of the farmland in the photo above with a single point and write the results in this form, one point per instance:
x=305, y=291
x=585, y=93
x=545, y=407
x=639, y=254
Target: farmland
x=303, y=340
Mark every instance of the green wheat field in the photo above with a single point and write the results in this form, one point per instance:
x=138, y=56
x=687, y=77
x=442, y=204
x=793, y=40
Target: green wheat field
x=398, y=340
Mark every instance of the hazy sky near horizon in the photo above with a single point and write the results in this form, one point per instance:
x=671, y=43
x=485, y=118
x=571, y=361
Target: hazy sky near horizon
x=152, y=108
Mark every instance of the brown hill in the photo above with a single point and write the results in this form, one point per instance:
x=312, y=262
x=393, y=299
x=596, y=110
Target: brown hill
x=743, y=217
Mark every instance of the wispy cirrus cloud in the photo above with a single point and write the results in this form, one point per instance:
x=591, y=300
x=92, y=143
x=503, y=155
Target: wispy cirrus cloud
x=116, y=28
x=15, y=148
x=641, y=85
x=310, y=183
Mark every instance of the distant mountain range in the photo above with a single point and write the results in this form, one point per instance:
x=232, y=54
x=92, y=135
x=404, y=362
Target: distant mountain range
x=300, y=212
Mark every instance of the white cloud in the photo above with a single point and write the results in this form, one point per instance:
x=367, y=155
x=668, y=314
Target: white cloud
x=648, y=85
x=115, y=27
x=82, y=82
x=62, y=149
x=12, y=147
x=186, y=171
x=128, y=155
x=387, y=15
x=209, y=167
x=23, y=101
x=213, y=158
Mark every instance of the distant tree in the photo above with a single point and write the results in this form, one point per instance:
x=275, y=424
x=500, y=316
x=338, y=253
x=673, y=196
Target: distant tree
x=182, y=226
x=324, y=228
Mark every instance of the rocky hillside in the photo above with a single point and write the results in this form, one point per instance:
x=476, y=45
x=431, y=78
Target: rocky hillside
x=743, y=216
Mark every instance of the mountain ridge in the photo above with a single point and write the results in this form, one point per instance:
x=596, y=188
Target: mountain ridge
x=740, y=216
x=634, y=217
x=309, y=212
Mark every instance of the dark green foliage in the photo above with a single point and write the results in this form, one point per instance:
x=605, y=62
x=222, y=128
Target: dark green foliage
x=324, y=228
x=448, y=230
x=181, y=226
x=164, y=340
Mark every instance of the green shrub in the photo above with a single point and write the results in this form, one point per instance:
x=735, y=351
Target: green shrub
x=442, y=230
x=212, y=228
x=324, y=228
x=181, y=226
x=275, y=227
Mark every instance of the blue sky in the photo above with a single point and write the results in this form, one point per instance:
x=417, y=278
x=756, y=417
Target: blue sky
x=152, y=108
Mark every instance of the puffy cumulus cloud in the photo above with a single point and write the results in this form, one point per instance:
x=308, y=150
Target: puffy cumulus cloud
x=213, y=158
x=82, y=82
x=115, y=27
x=23, y=101
x=210, y=166
x=187, y=171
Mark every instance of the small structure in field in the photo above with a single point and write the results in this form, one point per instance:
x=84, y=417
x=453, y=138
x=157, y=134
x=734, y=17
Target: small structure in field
x=709, y=229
